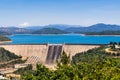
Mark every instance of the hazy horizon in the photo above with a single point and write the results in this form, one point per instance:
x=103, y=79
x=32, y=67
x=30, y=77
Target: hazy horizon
x=71, y=12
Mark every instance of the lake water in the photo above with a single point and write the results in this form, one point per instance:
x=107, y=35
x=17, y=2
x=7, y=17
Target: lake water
x=59, y=39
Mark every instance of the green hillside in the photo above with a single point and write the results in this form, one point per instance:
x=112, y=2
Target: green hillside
x=104, y=33
x=3, y=38
x=50, y=31
x=6, y=55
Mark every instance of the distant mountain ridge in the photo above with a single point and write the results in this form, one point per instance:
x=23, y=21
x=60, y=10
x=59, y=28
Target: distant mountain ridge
x=60, y=28
x=34, y=28
x=80, y=29
x=104, y=27
x=4, y=33
x=14, y=30
x=94, y=28
x=49, y=31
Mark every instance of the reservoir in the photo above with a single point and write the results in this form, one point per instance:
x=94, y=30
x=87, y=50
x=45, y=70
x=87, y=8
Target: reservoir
x=61, y=39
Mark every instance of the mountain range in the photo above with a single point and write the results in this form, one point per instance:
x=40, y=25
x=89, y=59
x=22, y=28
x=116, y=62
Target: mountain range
x=94, y=28
x=59, y=29
x=57, y=26
x=14, y=30
x=50, y=31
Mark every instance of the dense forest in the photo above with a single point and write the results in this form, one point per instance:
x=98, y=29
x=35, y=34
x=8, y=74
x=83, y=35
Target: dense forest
x=94, y=64
x=104, y=33
x=3, y=38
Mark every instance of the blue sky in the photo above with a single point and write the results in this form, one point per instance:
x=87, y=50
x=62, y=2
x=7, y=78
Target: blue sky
x=73, y=12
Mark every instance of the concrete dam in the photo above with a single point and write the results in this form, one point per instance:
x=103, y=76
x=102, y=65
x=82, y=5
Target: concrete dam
x=46, y=53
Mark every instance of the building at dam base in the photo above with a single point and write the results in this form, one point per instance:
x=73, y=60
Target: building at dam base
x=46, y=54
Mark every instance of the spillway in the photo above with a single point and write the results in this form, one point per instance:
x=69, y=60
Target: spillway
x=53, y=53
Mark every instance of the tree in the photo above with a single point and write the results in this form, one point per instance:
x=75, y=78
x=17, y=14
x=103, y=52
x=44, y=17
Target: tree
x=64, y=59
x=112, y=45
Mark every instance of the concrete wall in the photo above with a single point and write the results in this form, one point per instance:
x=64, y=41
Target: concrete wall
x=73, y=49
x=28, y=50
x=41, y=50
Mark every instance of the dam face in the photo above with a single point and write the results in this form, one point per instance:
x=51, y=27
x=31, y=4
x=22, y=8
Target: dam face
x=49, y=53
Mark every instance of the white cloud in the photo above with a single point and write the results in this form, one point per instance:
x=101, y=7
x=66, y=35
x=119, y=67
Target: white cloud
x=24, y=24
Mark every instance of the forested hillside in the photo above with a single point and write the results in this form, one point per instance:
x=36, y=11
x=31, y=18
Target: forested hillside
x=3, y=38
x=104, y=33
x=6, y=55
x=50, y=31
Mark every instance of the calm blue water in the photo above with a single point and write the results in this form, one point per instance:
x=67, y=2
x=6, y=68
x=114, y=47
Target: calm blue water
x=58, y=39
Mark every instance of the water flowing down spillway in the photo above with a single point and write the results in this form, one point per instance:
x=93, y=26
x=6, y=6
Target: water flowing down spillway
x=53, y=54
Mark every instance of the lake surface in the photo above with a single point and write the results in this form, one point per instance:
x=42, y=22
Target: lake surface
x=59, y=39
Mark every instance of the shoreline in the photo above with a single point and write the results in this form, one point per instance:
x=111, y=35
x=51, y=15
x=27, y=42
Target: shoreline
x=70, y=34
x=2, y=42
x=45, y=34
x=101, y=35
